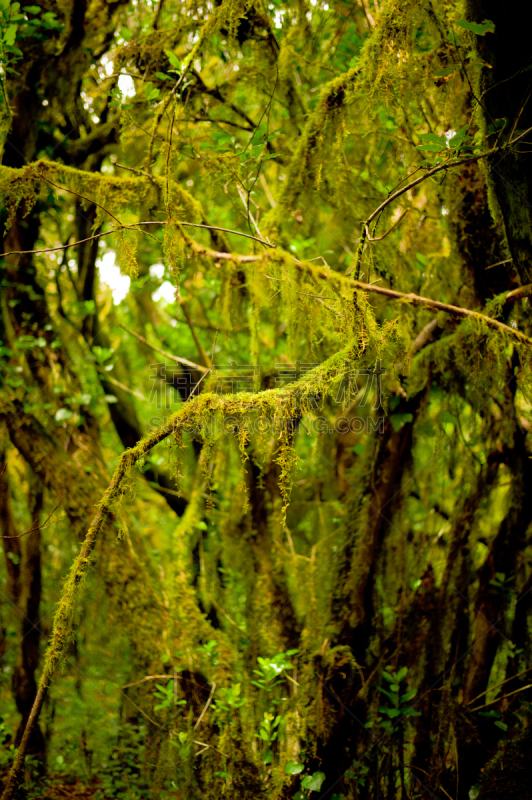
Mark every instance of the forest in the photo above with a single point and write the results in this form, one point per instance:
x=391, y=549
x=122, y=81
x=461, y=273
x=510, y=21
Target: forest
x=265, y=400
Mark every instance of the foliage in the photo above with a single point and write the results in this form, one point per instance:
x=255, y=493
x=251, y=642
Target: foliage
x=265, y=349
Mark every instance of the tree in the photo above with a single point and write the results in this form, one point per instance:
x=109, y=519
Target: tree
x=294, y=460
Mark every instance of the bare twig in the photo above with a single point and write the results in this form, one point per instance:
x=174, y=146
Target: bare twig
x=504, y=696
x=206, y=746
x=147, y=678
x=210, y=368
x=213, y=687
x=55, y=249
x=136, y=225
x=142, y=712
x=139, y=172
x=81, y=196
x=498, y=685
x=384, y=235
x=267, y=191
x=498, y=263
x=456, y=162
x=35, y=524
x=201, y=351
x=242, y=194
x=179, y=360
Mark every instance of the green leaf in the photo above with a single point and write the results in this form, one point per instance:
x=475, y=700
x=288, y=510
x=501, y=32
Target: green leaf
x=10, y=34
x=391, y=712
x=313, y=782
x=459, y=137
x=389, y=695
x=448, y=418
x=151, y=92
x=102, y=353
x=432, y=138
x=480, y=28
x=63, y=414
x=32, y=9
x=399, y=420
x=173, y=59
x=293, y=768
x=401, y=675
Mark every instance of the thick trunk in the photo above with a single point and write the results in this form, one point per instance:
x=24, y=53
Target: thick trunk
x=24, y=681
x=23, y=565
x=369, y=512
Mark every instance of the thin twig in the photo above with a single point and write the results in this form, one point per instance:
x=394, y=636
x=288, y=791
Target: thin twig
x=242, y=194
x=136, y=225
x=55, y=249
x=122, y=386
x=81, y=196
x=457, y=162
x=211, y=746
x=498, y=264
x=498, y=685
x=384, y=235
x=205, y=707
x=498, y=699
x=209, y=370
x=201, y=351
x=159, y=488
x=147, y=678
x=179, y=360
x=139, y=172
x=35, y=524
x=143, y=712
x=267, y=191
x=225, y=230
